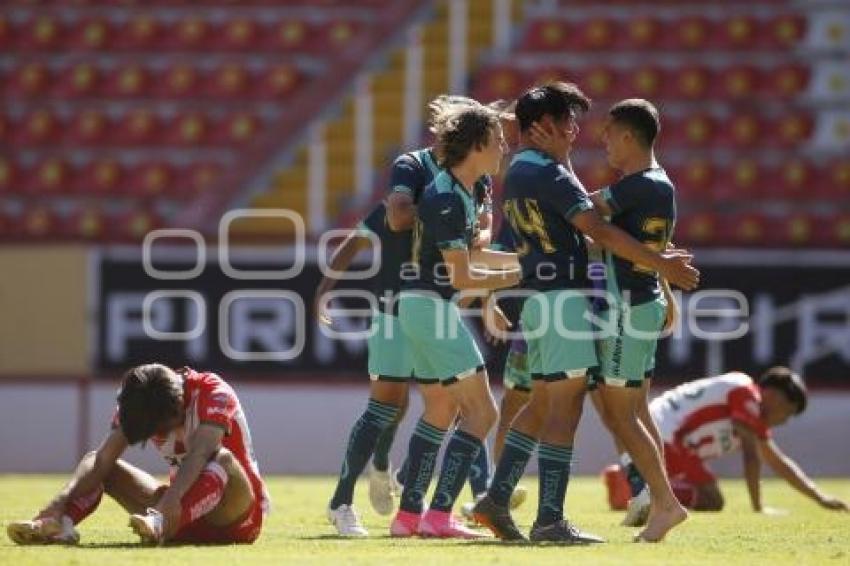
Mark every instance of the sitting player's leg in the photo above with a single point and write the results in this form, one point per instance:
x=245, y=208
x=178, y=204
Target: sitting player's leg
x=220, y=507
x=133, y=488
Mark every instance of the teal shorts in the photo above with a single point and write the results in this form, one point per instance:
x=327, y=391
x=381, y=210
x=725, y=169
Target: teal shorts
x=516, y=375
x=558, y=330
x=442, y=347
x=390, y=358
x=627, y=355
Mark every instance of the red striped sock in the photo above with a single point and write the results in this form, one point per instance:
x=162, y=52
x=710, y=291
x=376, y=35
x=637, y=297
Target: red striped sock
x=204, y=495
x=83, y=506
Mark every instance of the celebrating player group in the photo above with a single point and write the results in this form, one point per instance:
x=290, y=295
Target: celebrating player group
x=570, y=333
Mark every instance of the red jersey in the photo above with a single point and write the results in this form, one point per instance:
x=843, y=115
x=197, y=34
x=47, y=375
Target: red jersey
x=699, y=415
x=208, y=399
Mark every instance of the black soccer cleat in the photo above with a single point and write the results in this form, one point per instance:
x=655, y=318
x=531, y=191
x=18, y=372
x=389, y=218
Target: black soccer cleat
x=562, y=532
x=498, y=519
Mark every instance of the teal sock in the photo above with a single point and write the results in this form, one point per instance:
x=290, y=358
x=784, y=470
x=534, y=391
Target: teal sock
x=515, y=456
x=461, y=450
x=381, y=458
x=554, y=462
x=364, y=434
x=421, y=461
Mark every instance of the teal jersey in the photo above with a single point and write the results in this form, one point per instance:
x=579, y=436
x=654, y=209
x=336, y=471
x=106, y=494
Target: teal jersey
x=446, y=219
x=644, y=206
x=541, y=197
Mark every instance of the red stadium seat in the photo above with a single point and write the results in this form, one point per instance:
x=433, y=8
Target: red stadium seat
x=89, y=127
x=7, y=36
x=278, y=82
x=791, y=130
x=198, y=178
x=747, y=229
x=189, y=33
x=547, y=35
x=839, y=230
x=798, y=229
x=599, y=82
x=9, y=175
x=288, y=35
x=595, y=34
x=500, y=83
x=229, y=81
x=646, y=82
x=741, y=82
x=839, y=182
x=87, y=223
x=697, y=229
x=742, y=130
x=786, y=30
x=40, y=127
x=138, y=127
x=239, y=34
x=795, y=180
x=691, y=33
x=692, y=83
x=643, y=32
x=737, y=32
x=80, y=80
x=38, y=222
x=130, y=81
x=133, y=224
x=695, y=179
x=151, y=179
x=188, y=129
x=740, y=181
x=44, y=32
x=180, y=81
x=337, y=35
x=29, y=80
x=788, y=81
x=94, y=34
x=53, y=176
x=236, y=129
x=141, y=31
x=100, y=177
x=694, y=130
x=6, y=127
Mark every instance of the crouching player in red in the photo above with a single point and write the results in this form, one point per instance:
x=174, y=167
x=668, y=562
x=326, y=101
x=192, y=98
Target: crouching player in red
x=215, y=494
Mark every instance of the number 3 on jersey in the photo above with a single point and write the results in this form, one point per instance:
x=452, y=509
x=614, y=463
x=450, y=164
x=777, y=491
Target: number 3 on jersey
x=528, y=222
x=658, y=231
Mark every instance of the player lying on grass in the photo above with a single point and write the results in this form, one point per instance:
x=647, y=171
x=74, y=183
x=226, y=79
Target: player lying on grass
x=215, y=493
x=714, y=416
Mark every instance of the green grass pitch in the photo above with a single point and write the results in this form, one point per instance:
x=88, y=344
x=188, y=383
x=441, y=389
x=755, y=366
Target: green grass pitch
x=297, y=533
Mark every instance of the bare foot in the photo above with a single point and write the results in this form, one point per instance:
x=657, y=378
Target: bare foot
x=661, y=521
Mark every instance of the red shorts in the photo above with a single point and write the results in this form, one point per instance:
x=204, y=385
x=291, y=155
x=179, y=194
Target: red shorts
x=685, y=466
x=244, y=531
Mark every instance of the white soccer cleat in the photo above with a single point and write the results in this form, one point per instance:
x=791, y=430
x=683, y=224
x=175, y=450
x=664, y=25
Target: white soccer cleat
x=43, y=531
x=149, y=527
x=347, y=522
x=518, y=497
x=638, y=510
x=380, y=491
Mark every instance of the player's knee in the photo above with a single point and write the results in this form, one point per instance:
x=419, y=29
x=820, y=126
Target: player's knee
x=227, y=460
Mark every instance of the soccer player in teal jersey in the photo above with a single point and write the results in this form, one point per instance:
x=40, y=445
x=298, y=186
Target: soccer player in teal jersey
x=469, y=144
x=642, y=203
x=550, y=213
x=390, y=364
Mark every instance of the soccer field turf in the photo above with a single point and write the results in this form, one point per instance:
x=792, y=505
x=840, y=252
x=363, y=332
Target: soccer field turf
x=297, y=532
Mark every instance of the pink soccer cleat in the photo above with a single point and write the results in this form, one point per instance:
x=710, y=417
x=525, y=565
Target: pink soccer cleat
x=405, y=524
x=442, y=524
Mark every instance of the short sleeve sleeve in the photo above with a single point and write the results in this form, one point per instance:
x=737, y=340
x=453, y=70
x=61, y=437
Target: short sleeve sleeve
x=565, y=194
x=745, y=408
x=621, y=197
x=217, y=406
x=448, y=218
x=407, y=175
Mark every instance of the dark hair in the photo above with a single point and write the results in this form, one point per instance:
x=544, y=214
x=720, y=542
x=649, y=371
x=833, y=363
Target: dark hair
x=557, y=99
x=150, y=394
x=640, y=116
x=789, y=383
x=460, y=129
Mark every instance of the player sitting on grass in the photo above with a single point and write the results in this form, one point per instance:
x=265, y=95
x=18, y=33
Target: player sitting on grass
x=215, y=494
x=714, y=416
